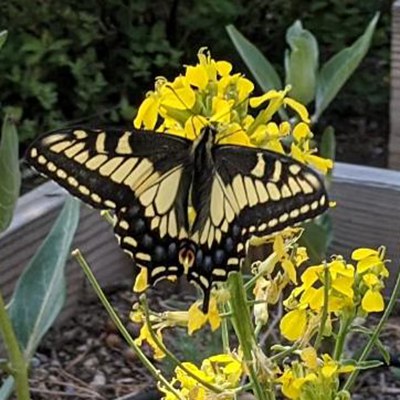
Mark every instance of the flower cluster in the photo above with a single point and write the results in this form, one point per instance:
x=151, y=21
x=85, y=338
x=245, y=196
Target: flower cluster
x=343, y=289
x=221, y=372
x=313, y=378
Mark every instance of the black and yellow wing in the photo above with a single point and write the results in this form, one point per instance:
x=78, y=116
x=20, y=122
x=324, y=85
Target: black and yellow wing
x=252, y=192
x=144, y=177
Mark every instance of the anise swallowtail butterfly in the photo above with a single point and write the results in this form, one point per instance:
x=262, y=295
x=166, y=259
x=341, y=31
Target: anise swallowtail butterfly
x=150, y=179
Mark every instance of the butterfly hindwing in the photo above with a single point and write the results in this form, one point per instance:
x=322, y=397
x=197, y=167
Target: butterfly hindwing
x=142, y=176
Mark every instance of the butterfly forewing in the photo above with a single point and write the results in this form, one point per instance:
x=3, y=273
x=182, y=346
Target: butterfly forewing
x=143, y=176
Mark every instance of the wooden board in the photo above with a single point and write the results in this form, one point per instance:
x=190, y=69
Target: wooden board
x=394, y=139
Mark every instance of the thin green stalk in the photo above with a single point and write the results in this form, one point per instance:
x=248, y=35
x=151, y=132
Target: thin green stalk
x=225, y=332
x=244, y=329
x=120, y=326
x=19, y=366
x=324, y=315
x=170, y=355
x=284, y=353
x=377, y=331
x=341, y=337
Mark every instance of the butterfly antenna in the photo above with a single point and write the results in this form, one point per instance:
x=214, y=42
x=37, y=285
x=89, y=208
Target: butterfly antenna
x=186, y=106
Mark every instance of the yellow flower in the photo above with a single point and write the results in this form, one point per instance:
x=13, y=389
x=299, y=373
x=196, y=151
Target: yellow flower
x=197, y=319
x=145, y=335
x=293, y=324
x=141, y=281
x=372, y=301
x=222, y=370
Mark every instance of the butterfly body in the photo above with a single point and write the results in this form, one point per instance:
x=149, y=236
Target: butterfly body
x=181, y=206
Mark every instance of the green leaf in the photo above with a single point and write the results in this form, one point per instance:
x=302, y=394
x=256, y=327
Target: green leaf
x=317, y=237
x=363, y=365
x=262, y=70
x=3, y=38
x=6, y=388
x=40, y=291
x=327, y=148
x=10, y=175
x=301, y=63
x=339, y=68
x=384, y=351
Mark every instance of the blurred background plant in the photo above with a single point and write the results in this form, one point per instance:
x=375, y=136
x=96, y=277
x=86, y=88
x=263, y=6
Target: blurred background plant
x=92, y=61
x=39, y=294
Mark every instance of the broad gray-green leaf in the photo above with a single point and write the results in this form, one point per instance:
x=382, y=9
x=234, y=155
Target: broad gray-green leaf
x=10, y=175
x=262, y=70
x=301, y=63
x=339, y=68
x=3, y=38
x=6, y=388
x=40, y=291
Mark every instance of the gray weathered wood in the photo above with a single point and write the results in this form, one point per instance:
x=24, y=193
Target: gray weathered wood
x=368, y=209
x=394, y=140
x=34, y=216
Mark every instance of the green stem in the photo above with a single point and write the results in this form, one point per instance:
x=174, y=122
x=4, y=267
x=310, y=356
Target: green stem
x=170, y=355
x=341, y=337
x=120, y=326
x=19, y=366
x=377, y=331
x=324, y=315
x=225, y=332
x=244, y=329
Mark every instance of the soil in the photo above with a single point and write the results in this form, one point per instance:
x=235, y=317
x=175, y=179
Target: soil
x=85, y=357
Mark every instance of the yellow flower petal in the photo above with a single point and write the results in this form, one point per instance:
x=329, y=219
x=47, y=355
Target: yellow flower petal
x=244, y=88
x=196, y=317
x=257, y=101
x=344, y=285
x=289, y=268
x=284, y=128
x=147, y=114
x=145, y=335
x=370, y=280
x=329, y=369
x=372, y=301
x=309, y=356
x=213, y=315
x=367, y=263
x=301, y=132
x=234, y=134
x=182, y=98
x=299, y=108
x=141, y=281
x=361, y=253
x=296, y=153
x=322, y=164
x=274, y=145
x=223, y=68
x=197, y=76
x=293, y=324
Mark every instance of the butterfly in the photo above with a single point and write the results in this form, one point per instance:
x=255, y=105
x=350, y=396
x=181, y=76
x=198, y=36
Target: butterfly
x=150, y=180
